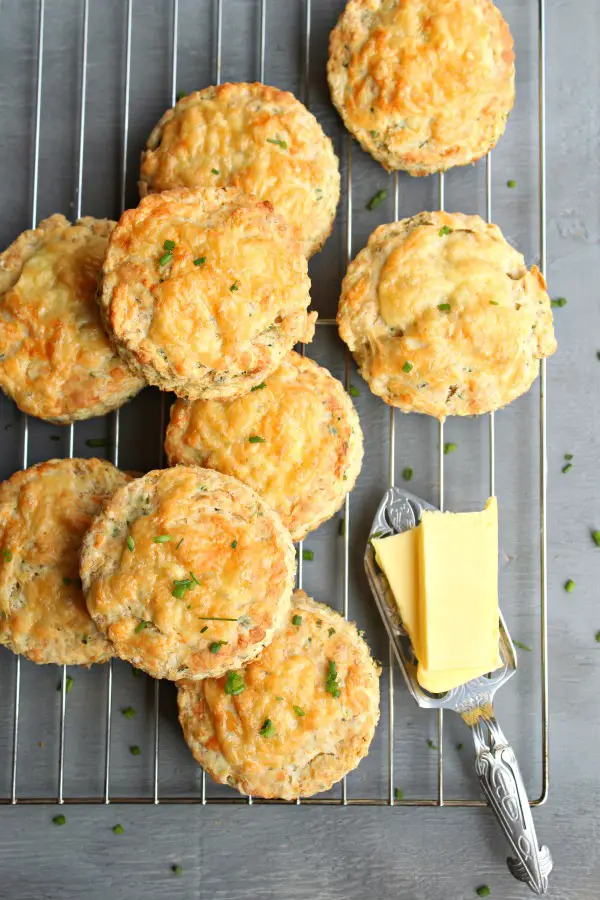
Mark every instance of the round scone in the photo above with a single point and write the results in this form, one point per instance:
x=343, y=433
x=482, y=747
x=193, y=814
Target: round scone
x=56, y=361
x=204, y=291
x=187, y=572
x=295, y=439
x=253, y=137
x=423, y=84
x=297, y=719
x=44, y=513
x=443, y=317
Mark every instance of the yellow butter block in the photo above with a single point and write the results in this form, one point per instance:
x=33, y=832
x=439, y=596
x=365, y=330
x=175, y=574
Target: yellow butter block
x=397, y=556
x=458, y=589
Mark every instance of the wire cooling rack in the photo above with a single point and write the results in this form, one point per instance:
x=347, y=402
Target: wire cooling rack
x=256, y=14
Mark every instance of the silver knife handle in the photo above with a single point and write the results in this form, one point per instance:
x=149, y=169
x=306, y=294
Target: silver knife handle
x=502, y=782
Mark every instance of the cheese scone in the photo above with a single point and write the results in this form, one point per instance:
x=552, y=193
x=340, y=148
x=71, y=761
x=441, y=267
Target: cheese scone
x=423, y=84
x=187, y=572
x=204, y=291
x=253, y=137
x=297, y=719
x=44, y=514
x=56, y=361
x=295, y=439
x=443, y=316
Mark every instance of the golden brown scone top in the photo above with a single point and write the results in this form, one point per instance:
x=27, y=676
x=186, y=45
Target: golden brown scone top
x=299, y=723
x=423, y=84
x=44, y=513
x=443, y=317
x=56, y=361
x=204, y=291
x=253, y=137
x=187, y=572
x=295, y=439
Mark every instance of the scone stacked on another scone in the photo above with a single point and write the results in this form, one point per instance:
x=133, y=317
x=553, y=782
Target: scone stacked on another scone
x=443, y=317
x=297, y=719
x=423, y=84
x=204, y=291
x=56, y=361
x=295, y=439
x=187, y=572
x=44, y=513
x=253, y=137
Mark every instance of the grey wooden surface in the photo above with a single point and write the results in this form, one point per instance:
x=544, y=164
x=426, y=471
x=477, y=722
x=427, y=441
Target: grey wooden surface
x=238, y=852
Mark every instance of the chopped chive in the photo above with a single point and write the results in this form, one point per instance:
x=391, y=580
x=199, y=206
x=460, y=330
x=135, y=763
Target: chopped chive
x=128, y=712
x=568, y=456
x=169, y=246
x=450, y=448
x=215, y=619
x=597, y=354
x=258, y=387
x=194, y=579
x=130, y=544
x=407, y=474
x=279, y=698
x=444, y=307
x=341, y=527
x=277, y=141
x=200, y=261
x=234, y=684
x=398, y=794
x=7, y=554
x=162, y=539
x=353, y=391
x=181, y=95
x=598, y=637
x=67, y=581
x=566, y=468
x=69, y=684
x=522, y=646
x=331, y=682
x=60, y=820
x=177, y=870
x=459, y=746
x=308, y=555
x=431, y=745
x=299, y=711
x=373, y=134
x=569, y=586
x=215, y=171
x=179, y=544
x=559, y=302
x=596, y=538
x=234, y=545
x=511, y=184
x=407, y=367
x=165, y=258
x=118, y=829
x=296, y=620
x=135, y=750
x=256, y=439
x=330, y=631
x=445, y=230
x=97, y=442
x=179, y=590
x=234, y=286
x=483, y=891
x=137, y=673
x=216, y=646
x=494, y=303
x=268, y=729
x=141, y=625
x=376, y=199
x=202, y=630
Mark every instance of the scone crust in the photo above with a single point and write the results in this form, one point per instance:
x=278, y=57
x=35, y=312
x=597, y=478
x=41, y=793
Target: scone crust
x=309, y=449
x=446, y=297
x=308, y=753
x=44, y=514
x=219, y=530
x=56, y=361
x=253, y=137
x=223, y=307
x=423, y=84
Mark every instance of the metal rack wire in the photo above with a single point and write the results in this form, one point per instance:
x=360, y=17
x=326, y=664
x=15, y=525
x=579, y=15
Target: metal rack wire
x=344, y=798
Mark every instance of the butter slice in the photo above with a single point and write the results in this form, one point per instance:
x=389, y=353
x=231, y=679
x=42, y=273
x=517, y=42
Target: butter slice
x=458, y=587
x=398, y=558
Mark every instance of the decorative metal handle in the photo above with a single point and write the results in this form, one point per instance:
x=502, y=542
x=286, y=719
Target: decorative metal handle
x=502, y=782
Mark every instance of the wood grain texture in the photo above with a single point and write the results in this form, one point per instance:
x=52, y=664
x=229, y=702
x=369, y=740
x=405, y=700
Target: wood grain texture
x=232, y=853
